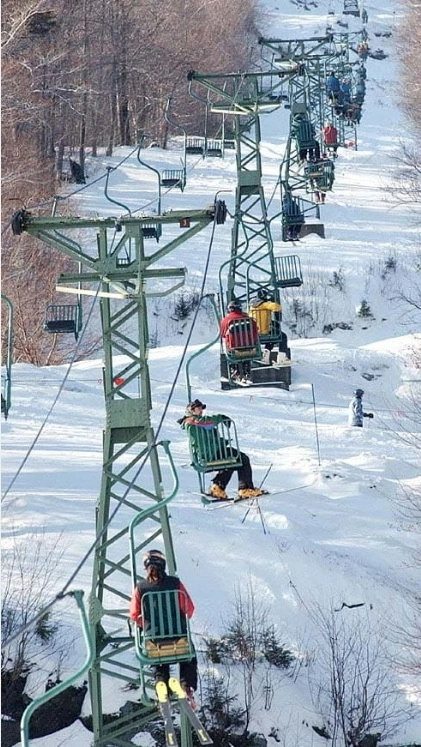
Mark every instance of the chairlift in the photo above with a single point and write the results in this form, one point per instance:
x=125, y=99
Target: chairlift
x=151, y=230
x=195, y=146
x=64, y=319
x=175, y=177
x=214, y=449
x=167, y=637
x=288, y=271
x=351, y=8
x=214, y=148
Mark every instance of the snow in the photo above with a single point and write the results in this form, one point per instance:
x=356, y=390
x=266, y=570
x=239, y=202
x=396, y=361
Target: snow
x=333, y=533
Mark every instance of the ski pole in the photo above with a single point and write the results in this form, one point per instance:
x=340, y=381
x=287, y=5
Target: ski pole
x=315, y=424
x=266, y=474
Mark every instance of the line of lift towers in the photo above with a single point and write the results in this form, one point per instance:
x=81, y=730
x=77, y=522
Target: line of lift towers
x=139, y=478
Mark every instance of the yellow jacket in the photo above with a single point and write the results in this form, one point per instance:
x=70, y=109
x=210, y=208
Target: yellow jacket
x=263, y=313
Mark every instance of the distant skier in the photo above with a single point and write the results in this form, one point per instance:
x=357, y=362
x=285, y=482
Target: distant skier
x=355, y=410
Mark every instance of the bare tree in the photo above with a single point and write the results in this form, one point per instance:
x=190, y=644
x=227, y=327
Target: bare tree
x=29, y=575
x=355, y=689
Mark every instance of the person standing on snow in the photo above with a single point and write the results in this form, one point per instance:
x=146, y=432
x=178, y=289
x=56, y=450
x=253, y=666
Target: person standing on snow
x=157, y=580
x=213, y=447
x=355, y=410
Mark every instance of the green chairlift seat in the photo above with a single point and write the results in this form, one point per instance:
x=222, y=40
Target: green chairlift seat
x=240, y=344
x=320, y=174
x=351, y=8
x=173, y=178
x=195, y=146
x=152, y=231
x=214, y=449
x=214, y=148
x=288, y=271
x=63, y=318
x=168, y=638
x=313, y=170
x=303, y=131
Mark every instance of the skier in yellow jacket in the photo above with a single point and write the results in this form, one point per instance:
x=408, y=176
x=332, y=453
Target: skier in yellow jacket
x=261, y=311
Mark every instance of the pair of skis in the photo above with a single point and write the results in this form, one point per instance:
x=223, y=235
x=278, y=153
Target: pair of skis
x=185, y=707
x=208, y=500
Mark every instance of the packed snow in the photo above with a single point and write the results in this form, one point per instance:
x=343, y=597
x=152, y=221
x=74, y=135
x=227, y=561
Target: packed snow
x=332, y=534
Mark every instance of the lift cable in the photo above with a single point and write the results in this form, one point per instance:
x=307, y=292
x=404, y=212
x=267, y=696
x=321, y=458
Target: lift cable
x=56, y=398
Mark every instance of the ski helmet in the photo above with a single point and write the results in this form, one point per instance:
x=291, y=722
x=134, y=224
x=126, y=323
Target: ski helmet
x=155, y=558
x=234, y=305
x=262, y=294
x=359, y=392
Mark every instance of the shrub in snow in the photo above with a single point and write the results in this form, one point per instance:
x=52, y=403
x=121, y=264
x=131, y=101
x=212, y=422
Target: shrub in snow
x=364, y=310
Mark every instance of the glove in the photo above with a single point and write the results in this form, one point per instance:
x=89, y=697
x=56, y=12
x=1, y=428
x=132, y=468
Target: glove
x=370, y=415
x=227, y=420
x=180, y=421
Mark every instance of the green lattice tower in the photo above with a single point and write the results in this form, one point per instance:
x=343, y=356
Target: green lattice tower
x=344, y=61
x=245, y=97
x=305, y=96
x=138, y=477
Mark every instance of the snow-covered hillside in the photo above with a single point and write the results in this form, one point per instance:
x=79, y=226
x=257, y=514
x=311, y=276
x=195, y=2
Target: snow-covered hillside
x=331, y=536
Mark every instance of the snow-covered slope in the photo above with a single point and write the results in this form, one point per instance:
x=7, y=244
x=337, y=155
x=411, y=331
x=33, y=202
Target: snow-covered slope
x=333, y=533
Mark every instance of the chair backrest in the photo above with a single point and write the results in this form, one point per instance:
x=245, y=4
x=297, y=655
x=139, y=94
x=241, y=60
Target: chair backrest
x=166, y=635
x=214, y=449
x=241, y=334
x=162, y=614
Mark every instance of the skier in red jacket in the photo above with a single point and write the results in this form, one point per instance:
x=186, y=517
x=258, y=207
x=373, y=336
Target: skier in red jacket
x=157, y=580
x=239, y=339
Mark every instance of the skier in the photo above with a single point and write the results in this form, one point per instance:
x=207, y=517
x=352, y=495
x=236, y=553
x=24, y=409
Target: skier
x=261, y=310
x=213, y=447
x=236, y=339
x=330, y=137
x=355, y=409
x=293, y=216
x=157, y=580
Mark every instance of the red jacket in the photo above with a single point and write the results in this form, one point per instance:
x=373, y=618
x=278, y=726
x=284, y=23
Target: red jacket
x=330, y=135
x=167, y=583
x=229, y=338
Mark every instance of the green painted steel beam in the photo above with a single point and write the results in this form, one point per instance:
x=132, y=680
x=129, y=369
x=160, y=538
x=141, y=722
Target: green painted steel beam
x=138, y=475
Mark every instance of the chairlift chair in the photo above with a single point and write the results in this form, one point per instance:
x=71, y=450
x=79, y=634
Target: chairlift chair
x=213, y=450
x=214, y=148
x=167, y=639
x=240, y=344
x=351, y=8
x=195, y=146
x=173, y=178
x=63, y=319
x=152, y=231
x=288, y=271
